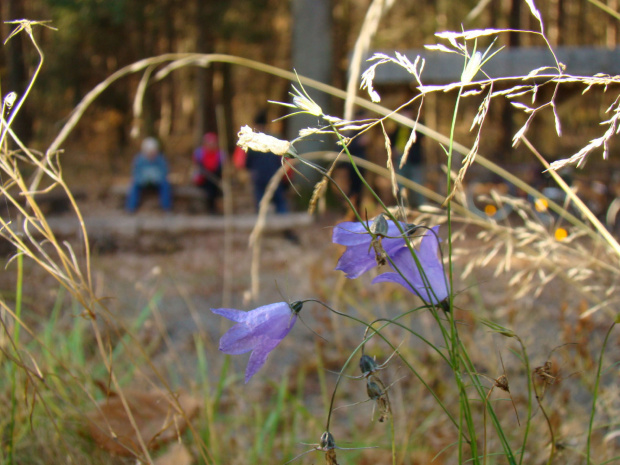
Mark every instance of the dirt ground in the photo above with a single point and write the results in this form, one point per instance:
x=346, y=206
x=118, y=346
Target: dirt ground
x=176, y=278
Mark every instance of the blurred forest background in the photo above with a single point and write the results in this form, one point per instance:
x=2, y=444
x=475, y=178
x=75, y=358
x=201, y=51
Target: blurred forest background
x=151, y=299
x=95, y=38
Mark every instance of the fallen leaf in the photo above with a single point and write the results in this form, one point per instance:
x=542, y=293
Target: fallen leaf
x=157, y=416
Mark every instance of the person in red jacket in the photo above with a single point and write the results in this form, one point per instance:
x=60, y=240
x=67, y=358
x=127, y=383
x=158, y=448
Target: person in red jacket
x=208, y=168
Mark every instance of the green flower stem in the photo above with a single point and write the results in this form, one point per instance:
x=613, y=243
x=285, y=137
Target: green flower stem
x=469, y=367
x=530, y=387
x=388, y=213
x=359, y=174
x=16, y=331
x=366, y=339
x=454, y=346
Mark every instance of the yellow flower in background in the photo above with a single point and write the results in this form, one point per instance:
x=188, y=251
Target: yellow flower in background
x=560, y=234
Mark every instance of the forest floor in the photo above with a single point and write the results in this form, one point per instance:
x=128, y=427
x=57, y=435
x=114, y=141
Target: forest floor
x=175, y=278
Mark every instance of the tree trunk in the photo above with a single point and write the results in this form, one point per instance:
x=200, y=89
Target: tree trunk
x=205, y=103
x=312, y=57
x=227, y=93
x=167, y=86
x=612, y=25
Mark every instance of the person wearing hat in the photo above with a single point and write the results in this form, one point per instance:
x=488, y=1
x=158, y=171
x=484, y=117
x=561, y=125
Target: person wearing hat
x=149, y=171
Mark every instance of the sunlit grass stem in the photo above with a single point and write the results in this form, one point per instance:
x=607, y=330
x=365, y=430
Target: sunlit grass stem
x=464, y=412
x=19, y=288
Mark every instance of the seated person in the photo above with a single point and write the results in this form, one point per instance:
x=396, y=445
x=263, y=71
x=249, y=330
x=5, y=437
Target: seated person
x=208, y=168
x=149, y=171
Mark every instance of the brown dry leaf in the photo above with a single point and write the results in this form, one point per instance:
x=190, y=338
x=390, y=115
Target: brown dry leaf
x=177, y=454
x=157, y=417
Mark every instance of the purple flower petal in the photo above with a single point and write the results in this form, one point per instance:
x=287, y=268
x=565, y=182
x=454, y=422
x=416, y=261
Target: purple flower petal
x=354, y=233
x=360, y=256
x=435, y=288
x=350, y=233
x=429, y=246
x=231, y=314
x=357, y=260
x=259, y=330
x=404, y=262
x=257, y=360
x=238, y=340
x=269, y=313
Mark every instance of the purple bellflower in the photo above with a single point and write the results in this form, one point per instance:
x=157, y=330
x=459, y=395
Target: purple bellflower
x=259, y=330
x=360, y=255
x=433, y=290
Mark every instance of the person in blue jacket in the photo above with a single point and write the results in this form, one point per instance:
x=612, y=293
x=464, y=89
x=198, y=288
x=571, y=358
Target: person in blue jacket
x=149, y=171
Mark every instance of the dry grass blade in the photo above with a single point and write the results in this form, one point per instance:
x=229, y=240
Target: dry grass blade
x=369, y=27
x=390, y=162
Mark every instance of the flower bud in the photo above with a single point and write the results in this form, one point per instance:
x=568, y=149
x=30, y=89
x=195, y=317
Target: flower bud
x=367, y=364
x=373, y=389
x=327, y=441
x=379, y=226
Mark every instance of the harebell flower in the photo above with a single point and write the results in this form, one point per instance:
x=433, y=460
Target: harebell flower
x=259, y=330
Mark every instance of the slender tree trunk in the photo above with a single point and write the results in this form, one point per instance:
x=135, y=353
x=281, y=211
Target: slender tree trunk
x=312, y=57
x=514, y=22
x=227, y=93
x=205, y=102
x=553, y=28
x=612, y=25
x=167, y=86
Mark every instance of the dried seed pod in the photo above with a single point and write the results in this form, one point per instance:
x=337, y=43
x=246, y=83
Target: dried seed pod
x=544, y=373
x=376, y=391
x=368, y=365
x=502, y=383
x=380, y=253
x=330, y=457
x=327, y=441
x=373, y=389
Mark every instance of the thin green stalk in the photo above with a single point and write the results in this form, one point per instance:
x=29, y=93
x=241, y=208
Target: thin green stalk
x=596, y=384
x=16, y=331
x=469, y=366
x=464, y=408
x=366, y=339
x=430, y=344
x=359, y=175
x=549, y=426
x=530, y=387
x=386, y=210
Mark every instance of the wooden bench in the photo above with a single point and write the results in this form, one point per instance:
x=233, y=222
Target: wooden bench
x=185, y=197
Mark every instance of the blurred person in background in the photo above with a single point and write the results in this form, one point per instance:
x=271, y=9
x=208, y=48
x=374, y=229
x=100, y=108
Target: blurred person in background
x=208, y=169
x=149, y=171
x=262, y=166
